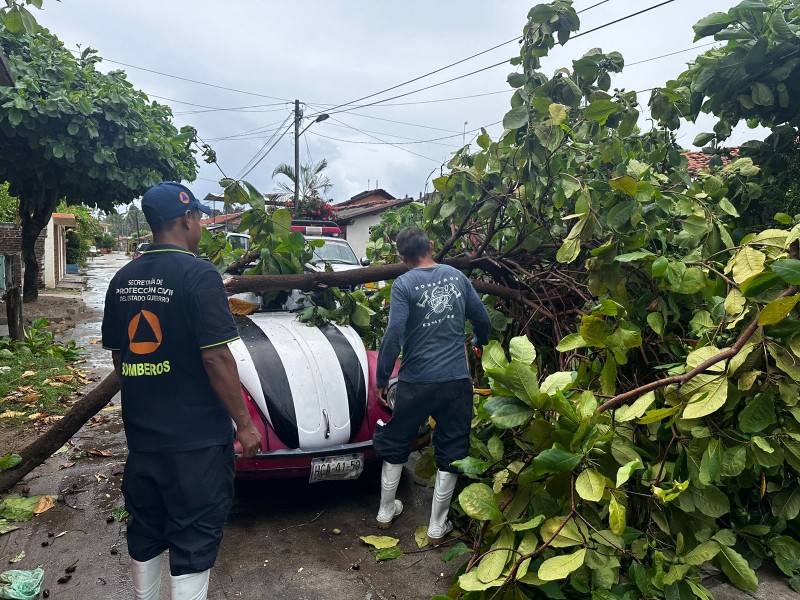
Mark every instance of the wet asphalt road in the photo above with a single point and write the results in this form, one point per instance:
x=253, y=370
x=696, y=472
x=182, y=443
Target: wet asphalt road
x=278, y=540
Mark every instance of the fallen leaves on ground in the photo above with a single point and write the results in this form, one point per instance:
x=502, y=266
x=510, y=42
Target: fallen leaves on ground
x=10, y=414
x=111, y=408
x=99, y=476
x=120, y=514
x=31, y=397
x=98, y=420
x=379, y=541
x=27, y=374
x=44, y=504
x=66, y=465
x=18, y=557
x=37, y=415
x=9, y=461
x=101, y=453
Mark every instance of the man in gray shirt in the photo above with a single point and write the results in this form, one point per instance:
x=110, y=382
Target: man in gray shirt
x=429, y=306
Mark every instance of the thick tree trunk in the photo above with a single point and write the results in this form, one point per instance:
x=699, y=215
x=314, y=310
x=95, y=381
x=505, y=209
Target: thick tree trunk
x=14, y=298
x=34, y=215
x=307, y=282
x=62, y=430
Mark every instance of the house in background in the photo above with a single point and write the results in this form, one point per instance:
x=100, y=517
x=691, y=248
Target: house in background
x=55, y=248
x=356, y=215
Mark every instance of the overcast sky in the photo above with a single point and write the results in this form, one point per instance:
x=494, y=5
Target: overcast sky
x=326, y=53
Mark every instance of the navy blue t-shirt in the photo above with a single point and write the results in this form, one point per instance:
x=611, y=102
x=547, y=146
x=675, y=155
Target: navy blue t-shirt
x=162, y=309
x=429, y=306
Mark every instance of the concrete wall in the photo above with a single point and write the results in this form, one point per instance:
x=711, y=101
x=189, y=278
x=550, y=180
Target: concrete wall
x=11, y=243
x=358, y=233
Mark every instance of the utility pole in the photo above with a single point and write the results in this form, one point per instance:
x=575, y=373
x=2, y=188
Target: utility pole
x=297, y=117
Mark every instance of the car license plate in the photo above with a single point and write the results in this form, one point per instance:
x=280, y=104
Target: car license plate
x=335, y=468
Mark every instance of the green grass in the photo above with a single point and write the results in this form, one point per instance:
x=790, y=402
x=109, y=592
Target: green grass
x=45, y=368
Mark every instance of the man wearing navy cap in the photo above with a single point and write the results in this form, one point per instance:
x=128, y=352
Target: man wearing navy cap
x=168, y=325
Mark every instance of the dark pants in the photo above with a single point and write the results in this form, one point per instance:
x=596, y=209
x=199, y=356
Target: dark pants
x=178, y=500
x=448, y=402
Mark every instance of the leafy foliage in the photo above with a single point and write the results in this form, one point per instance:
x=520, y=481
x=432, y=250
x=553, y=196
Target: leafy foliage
x=381, y=247
x=314, y=185
x=651, y=426
x=69, y=131
x=9, y=205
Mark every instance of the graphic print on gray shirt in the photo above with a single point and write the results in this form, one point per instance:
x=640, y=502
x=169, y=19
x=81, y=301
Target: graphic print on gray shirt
x=429, y=307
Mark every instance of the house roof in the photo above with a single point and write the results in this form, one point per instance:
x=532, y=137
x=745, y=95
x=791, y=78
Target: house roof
x=65, y=219
x=220, y=219
x=369, y=208
x=699, y=161
x=364, y=197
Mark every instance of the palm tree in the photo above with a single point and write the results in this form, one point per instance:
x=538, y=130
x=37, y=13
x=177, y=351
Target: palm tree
x=314, y=185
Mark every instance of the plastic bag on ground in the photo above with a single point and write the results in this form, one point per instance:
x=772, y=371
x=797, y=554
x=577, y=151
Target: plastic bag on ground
x=21, y=585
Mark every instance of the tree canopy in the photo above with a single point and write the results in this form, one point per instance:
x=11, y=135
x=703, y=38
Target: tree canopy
x=69, y=131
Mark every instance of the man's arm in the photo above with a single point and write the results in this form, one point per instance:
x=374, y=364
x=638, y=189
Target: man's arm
x=392, y=339
x=220, y=366
x=116, y=357
x=476, y=312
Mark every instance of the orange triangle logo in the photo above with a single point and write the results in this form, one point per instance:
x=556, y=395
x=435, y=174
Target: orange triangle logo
x=144, y=333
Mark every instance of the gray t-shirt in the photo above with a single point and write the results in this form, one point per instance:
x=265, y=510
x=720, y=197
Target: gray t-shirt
x=429, y=306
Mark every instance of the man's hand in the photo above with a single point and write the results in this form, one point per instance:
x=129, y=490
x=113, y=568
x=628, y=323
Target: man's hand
x=250, y=439
x=382, y=395
x=478, y=351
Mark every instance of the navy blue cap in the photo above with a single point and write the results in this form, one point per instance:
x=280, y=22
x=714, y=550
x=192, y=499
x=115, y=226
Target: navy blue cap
x=169, y=200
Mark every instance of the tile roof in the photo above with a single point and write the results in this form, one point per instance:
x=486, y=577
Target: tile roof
x=367, y=208
x=363, y=197
x=220, y=219
x=699, y=161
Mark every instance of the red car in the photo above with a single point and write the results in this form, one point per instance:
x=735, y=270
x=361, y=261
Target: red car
x=311, y=393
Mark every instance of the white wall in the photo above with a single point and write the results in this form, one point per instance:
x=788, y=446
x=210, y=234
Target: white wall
x=49, y=255
x=358, y=233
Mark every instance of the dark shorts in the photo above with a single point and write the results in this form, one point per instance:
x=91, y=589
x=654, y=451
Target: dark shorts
x=178, y=501
x=450, y=405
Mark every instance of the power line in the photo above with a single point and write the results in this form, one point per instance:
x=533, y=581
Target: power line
x=646, y=60
x=411, y=140
x=245, y=170
x=342, y=108
x=196, y=81
x=214, y=107
x=439, y=162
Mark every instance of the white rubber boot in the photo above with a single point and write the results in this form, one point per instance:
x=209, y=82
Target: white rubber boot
x=389, y=508
x=193, y=586
x=146, y=578
x=439, y=526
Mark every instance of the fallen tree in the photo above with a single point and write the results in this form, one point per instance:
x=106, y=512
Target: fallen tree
x=61, y=431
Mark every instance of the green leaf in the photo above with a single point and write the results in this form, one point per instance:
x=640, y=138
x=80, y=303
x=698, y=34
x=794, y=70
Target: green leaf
x=559, y=567
x=9, y=461
x=733, y=461
x=558, y=382
x=388, y=554
x=617, y=514
x=573, y=341
x=758, y=414
x=460, y=549
x=711, y=463
x=379, y=541
x=600, y=110
x=13, y=20
x=737, y=570
x=631, y=256
x=495, y=446
x=656, y=322
x=777, y=310
x=625, y=471
x=787, y=269
x=511, y=414
x=707, y=394
x=478, y=502
x=654, y=416
x=786, y=503
x=493, y=563
x=471, y=466
x=555, y=460
x=710, y=500
x=786, y=547
x=758, y=284
x=711, y=24
x=522, y=350
x=568, y=535
x=516, y=118
x=626, y=184
x=569, y=250
x=701, y=139
x=747, y=263
x=421, y=536
x=521, y=379
x=633, y=411
x=529, y=524
x=516, y=80
x=494, y=357
x=590, y=485
x=558, y=113
x=702, y=553
x=120, y=514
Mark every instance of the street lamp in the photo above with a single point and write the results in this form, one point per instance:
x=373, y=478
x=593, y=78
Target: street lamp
x=297, y=133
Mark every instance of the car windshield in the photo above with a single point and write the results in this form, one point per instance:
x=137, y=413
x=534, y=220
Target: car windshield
x=335, y=252
x=239, y=242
